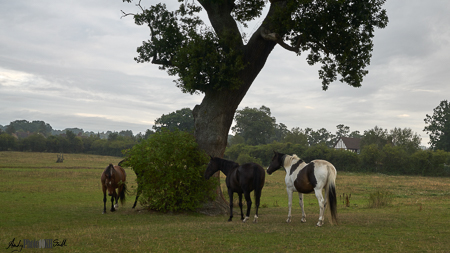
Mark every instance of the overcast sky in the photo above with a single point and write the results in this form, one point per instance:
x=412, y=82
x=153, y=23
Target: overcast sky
x=70, y=63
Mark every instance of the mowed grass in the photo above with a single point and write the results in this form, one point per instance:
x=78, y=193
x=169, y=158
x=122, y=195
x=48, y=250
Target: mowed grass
x=42, y=199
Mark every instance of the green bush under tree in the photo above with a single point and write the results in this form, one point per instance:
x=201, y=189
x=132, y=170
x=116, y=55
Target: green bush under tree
x=170, y=169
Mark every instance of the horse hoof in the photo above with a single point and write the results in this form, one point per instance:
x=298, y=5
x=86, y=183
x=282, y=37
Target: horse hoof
x=303, y=220
x=319, y=224
x=245, y=219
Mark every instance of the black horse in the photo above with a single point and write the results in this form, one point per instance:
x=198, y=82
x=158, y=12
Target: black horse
x=241, y=179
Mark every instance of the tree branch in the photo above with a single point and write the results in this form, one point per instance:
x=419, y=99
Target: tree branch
x=267, y=35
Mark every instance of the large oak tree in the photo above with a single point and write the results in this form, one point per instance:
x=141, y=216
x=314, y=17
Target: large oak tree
x=216, y=59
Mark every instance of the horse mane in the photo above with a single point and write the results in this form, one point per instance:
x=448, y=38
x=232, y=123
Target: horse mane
x=109, y=171
x=290, y=158
x=227, y=164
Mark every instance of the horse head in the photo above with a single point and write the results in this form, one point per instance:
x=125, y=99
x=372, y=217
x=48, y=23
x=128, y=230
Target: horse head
x=276, y=163
x=212, y=168
x=110, y=181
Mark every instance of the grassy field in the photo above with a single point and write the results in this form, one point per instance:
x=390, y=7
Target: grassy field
x=42, y=199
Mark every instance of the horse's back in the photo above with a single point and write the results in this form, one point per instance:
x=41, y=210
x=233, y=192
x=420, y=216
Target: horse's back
x=326, y=165
x=250, y=174
x=325, y=170
x=122, y=171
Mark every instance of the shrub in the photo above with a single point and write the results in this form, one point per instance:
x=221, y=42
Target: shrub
x=170, y=167
x=246, y=158
x=344, y=160
x=319, y=151
x=371, y=158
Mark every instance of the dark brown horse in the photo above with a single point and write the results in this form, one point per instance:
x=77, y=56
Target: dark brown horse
x=241, y=179
x=114, y=177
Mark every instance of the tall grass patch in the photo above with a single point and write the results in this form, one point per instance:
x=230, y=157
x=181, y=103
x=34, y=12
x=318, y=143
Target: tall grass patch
x=380, y=198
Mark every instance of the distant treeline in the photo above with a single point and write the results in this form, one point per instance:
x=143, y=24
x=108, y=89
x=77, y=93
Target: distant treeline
x=396, y=151
x=38, y=136
x=389, y=159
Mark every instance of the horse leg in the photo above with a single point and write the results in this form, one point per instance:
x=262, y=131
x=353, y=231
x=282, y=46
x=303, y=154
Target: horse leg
x=240, y=205
x=116, y=197
x=257, y=199
x=289, y=192
x=300, y=197
x=321, y=201
x=112, y=201
x=230, y=195
x=139, y=190
x=104, y=199
x=249, y=205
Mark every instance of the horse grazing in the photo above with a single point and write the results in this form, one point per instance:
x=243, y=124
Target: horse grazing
x=114, y=177
x=306, y=178
x=241, y=179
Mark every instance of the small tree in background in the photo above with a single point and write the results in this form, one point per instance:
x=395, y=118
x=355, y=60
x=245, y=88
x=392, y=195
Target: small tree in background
x=438, y=126
x=170, y=167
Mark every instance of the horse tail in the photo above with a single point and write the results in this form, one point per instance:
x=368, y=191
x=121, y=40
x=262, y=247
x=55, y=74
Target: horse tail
x=257, y=180
x=122, y=195
x=331, y=192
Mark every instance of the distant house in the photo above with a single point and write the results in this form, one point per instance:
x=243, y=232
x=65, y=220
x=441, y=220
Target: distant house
x=350, y=144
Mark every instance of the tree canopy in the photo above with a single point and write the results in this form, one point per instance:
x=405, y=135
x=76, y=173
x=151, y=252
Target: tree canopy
x=336, y=34
x=438, y=126
x=256, y=126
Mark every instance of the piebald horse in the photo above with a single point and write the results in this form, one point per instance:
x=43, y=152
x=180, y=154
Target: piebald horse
x=114, y=177
x=306, y=178
x=241, y=179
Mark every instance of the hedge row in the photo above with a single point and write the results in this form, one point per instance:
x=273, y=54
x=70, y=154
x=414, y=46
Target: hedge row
x=388, y=160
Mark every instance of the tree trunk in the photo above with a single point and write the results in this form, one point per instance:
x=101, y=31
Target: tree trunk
x=214, y=116
x=213, y=119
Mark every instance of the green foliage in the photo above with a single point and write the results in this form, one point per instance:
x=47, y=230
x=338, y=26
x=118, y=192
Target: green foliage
x=296, y=136
x=344, y=160
x=182, y=120
x=170, y=167
x=7, y=142
x=320, y=151
x=236, y=139
x=34, y=142
x=371, y=157
x=337, y=34
x=35, y=126
x=262, y=153
x=246, y=158
x=395, y=160
x=438, y=126
x=406, y=139
x=377, y=135
x=255, y=125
